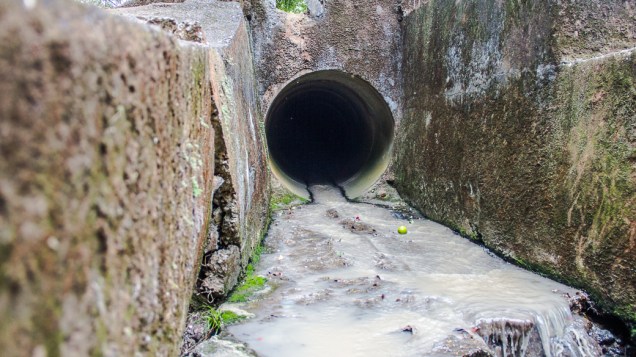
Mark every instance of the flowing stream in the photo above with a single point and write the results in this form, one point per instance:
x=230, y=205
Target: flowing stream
x=343, y=282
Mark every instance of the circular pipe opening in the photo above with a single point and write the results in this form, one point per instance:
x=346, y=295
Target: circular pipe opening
x=329, y=127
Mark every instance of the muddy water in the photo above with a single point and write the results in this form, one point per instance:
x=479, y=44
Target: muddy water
x=343, y=282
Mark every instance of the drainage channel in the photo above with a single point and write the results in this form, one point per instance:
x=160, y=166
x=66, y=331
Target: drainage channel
x=342, y=282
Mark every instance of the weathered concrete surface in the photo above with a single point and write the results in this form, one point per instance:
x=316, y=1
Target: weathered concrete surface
x=105, y=183
x=219, y=21
x=592, y=28
x=510, y=139
x=108, y=151
x=145, y=2
x=241, y=203
x=109, y=4
x=358, y=37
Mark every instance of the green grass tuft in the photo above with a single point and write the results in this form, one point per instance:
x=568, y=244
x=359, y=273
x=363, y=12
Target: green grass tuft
x=213, y=319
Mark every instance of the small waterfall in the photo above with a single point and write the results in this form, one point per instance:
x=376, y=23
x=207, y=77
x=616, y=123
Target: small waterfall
x=553, y=333
x=507, y=337
x=577, y=341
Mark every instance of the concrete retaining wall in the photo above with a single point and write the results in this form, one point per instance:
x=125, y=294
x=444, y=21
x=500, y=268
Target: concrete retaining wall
x=358, y=37
x=519, y=131
x=107, y=182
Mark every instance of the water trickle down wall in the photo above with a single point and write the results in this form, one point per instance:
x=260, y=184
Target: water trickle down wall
x=521, y=118
x=109, y=135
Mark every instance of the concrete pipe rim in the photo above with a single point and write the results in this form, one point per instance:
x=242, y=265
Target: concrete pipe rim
x=329, y=127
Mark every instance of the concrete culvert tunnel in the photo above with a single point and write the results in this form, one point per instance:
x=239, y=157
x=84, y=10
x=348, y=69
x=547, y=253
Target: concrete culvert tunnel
x=329, y=127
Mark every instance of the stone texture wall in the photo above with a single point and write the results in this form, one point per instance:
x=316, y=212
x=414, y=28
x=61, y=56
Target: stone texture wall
x=241, y=210
x=107, y=175
x=519, y=131
x=235, y=86
x=592, y=28
x=358, y=37
x=240, y=205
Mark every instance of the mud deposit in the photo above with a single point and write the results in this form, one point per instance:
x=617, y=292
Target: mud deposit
x=343, y=282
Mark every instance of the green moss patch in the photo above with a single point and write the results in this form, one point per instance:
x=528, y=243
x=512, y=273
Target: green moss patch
x=231, y=317
x=252, y=283
x=288, y=199
x=249, y=286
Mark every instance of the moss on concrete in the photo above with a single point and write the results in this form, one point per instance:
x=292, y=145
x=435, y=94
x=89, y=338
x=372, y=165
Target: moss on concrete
x=501, y=141
x=100, y=111
x=251, y=283
x=282, y=199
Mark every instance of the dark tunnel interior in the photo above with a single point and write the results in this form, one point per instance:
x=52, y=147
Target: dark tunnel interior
x=329, y=127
